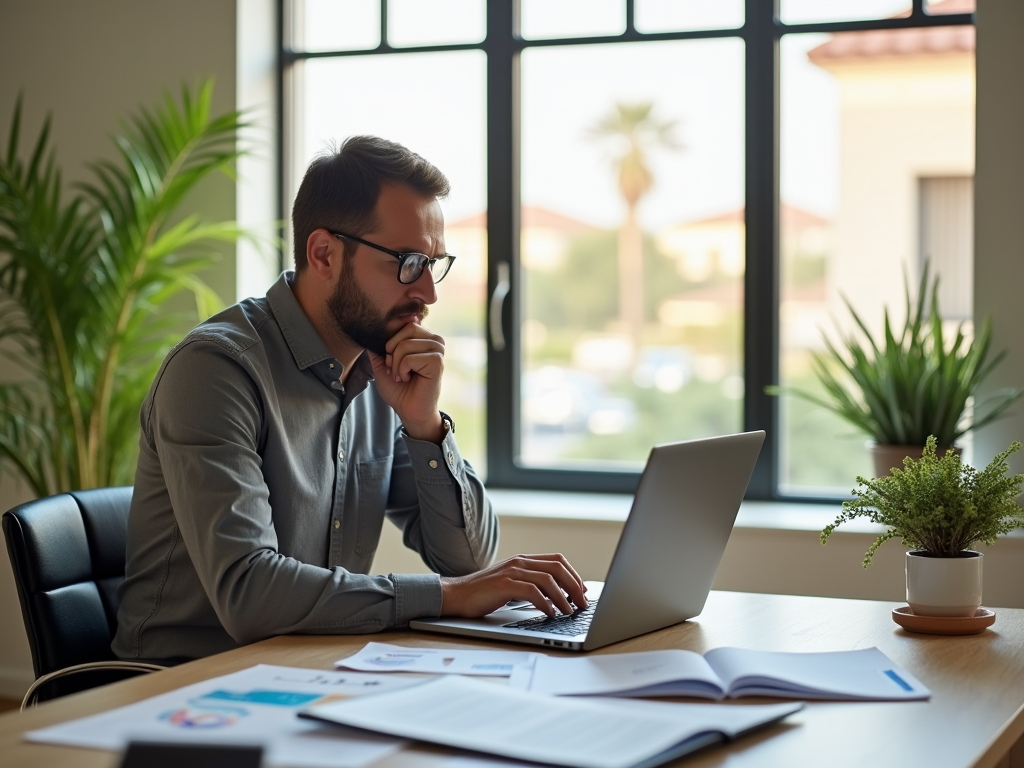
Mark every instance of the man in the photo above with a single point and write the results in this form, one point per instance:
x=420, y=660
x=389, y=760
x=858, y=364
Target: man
x=278, y=434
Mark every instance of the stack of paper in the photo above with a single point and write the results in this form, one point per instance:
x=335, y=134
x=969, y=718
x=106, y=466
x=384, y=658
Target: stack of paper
x=254, y=706
x=263, y=705
x=470, y=714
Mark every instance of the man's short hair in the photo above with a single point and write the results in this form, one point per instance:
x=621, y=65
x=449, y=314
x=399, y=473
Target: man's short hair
x=341, y=187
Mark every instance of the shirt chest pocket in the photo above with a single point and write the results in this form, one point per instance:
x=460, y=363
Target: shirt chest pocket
x=373, y=482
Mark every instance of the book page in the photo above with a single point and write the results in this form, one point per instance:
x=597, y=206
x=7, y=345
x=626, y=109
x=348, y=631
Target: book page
x=863, y=674
x=582, y=733
x=648, y=673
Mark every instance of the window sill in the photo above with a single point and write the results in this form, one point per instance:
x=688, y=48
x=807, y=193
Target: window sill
x=612, y=507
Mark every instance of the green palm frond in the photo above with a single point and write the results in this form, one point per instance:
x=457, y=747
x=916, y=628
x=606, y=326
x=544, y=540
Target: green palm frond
x=912, y=384
x=84, y=285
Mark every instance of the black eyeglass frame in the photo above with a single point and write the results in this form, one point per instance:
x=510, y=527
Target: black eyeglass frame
x=426, y=261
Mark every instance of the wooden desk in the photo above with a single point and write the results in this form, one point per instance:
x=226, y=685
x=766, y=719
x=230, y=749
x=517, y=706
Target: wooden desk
x=975, y=717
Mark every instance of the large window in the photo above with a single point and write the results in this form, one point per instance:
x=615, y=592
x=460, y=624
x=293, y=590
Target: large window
x=658, y=206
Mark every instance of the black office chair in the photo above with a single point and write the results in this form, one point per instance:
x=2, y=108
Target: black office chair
x=68, y=555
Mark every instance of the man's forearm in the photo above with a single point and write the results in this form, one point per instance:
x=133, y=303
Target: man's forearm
x=450, y=521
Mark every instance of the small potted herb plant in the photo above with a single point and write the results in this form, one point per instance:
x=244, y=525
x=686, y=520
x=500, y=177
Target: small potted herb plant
x=910, y=383
x=939, y=507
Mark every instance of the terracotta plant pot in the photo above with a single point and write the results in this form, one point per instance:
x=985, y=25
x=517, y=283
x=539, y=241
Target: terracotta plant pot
x=944, y=586
x=890, y=457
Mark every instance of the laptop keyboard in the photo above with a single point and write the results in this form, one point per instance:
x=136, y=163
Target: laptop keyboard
x=564, y=624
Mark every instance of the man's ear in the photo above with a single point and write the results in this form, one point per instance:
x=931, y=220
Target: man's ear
x=323, y=254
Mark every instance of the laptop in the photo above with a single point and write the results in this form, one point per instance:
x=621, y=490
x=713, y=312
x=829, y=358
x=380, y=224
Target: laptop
x=668, y=553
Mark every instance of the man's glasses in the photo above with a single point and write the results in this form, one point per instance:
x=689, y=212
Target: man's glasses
x=410, y=264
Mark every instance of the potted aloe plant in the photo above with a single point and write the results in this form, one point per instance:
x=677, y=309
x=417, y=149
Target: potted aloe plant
x=908, y=385
x=939, y=507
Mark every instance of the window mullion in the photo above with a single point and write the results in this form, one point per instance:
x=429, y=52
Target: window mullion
x=761, y=280
x=502, y=237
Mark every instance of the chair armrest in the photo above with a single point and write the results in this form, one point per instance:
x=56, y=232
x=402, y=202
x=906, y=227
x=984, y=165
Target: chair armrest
x=125, y=666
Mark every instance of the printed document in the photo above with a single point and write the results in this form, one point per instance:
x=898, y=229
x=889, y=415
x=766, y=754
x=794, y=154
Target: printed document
x=253, y=706
x=382, y=657
x=581, y=733
x=866, y=674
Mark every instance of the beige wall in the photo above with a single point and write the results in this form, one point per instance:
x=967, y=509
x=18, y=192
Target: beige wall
x=768, y=559
x=999, y=208
x=90, y=64
x=902, y=118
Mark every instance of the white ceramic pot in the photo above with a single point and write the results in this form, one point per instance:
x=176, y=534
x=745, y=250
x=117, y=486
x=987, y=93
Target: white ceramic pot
x=944, y=586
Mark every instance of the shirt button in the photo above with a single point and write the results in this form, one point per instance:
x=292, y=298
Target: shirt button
x=341, y=455
x=337, y=524
x=337, y=385
x=451, y=458
x=433, y=464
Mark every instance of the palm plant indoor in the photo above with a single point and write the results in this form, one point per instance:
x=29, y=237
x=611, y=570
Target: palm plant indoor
x=84, y=285
x=905, y=387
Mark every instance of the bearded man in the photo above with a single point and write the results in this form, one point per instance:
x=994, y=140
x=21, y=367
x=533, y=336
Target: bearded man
x=279, y=434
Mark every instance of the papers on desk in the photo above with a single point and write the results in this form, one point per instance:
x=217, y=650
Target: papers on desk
x=263, y=705
x=253, y=706
x=382, y=657
x=580, y=733
x=867, y=674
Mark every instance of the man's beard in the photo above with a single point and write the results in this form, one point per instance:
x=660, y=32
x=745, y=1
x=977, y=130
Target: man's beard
x=355, y=316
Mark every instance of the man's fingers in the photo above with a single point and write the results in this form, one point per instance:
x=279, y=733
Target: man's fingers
x=416, y=355
x=412, y=332
x=525, y=590
x=546, y=581
x=426, y=362
x=547, y=585
x=553, y=578
x=557, y=557
x=564, y=574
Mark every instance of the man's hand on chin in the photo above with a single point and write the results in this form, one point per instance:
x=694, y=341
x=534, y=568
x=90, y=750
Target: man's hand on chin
x=409, y=380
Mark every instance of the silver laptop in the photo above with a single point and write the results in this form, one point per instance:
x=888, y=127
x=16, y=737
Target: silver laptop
x=669, y=551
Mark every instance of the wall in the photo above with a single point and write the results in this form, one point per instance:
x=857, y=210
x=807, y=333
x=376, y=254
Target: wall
x=998, y=207
x=766, y=553
x=902, y=118
x=90, y=64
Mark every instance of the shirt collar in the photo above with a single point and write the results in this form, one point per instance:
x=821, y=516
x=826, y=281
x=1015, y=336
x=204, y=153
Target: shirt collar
x=304, y=342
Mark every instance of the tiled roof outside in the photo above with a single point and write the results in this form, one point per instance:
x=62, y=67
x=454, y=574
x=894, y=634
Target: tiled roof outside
x=922, y=41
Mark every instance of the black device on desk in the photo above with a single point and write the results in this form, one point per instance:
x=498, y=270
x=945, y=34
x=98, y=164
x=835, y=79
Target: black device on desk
x=147, y=754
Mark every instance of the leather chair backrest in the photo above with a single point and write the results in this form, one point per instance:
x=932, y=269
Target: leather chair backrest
x=68, y=555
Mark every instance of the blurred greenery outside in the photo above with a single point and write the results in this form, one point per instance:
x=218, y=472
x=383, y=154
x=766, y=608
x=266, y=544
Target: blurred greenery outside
x=581, y=297
x=820, y=453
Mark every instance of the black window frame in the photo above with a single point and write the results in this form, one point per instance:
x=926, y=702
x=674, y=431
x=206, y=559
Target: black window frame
x=761, y=33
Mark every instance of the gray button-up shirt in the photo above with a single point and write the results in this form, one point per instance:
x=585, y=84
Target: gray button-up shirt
x=262, y=487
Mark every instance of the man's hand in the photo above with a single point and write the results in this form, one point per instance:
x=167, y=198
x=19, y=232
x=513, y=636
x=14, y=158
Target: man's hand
x=547, y=581
x=409, y=380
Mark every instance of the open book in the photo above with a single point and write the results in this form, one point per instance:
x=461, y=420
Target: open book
x=721, y=673
x=472, y=714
